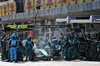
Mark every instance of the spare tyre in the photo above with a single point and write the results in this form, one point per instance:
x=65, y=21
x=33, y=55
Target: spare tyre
x=83, y=46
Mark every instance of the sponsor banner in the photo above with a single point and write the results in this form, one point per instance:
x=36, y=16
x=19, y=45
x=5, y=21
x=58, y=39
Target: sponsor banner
x=3, y=9
x=88, y=0
x=58, y=2
x=30, y=5
x=52, y=3
x=6, y=9
x=10, y=9
x=13, y=7
x=36, y=2
x=72, y=2
x=65, y=2
x=0, y=10
x=41, y=4
x=79, y=1
x=47, y=4
x=26, y=6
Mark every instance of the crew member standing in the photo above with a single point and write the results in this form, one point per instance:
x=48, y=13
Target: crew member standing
x=29, y=46
x=13, y=50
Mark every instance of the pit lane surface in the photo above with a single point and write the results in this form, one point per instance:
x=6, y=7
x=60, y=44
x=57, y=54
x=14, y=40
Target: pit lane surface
x=52, y=63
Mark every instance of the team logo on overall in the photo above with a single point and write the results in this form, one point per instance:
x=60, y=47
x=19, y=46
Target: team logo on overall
x=13, y=42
